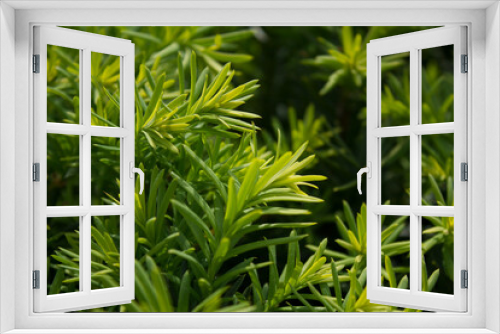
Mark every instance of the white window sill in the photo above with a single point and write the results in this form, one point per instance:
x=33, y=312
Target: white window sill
x=250, y=331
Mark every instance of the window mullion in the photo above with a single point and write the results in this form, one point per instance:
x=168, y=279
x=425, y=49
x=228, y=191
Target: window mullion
x=414, y=170
x=406, y=210
x=85, y=114
x=82, y=180
x=102, y=131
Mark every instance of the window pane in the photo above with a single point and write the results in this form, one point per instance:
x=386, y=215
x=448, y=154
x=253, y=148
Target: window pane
x=395, y=245
x=105, y=102
x=105, y=187
x=63, y=85
x=437, y=169
x=105, y=252
x=63, y=255
x=395, y=85
x=63, y=170
x=437, y=254
x=395, y=175
x=437, y=84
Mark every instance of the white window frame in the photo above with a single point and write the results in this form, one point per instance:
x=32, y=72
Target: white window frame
x=483, y=210
x=414, y=43
x=85, y=43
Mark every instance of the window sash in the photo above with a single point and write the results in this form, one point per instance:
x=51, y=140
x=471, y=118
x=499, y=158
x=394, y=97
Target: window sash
x=413, y=42
x=85, y=298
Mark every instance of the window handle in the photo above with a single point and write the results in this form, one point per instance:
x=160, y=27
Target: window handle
x=141, y=176
x=368, y=171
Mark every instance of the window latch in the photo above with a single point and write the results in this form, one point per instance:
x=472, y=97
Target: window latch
x=368, y=171
x=139, y=171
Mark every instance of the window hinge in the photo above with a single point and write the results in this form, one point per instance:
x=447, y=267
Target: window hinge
x=465, y=64
x=36, y=172
x=464, y=171
x=36, y=63
x=36, y=279
x=465, y=279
